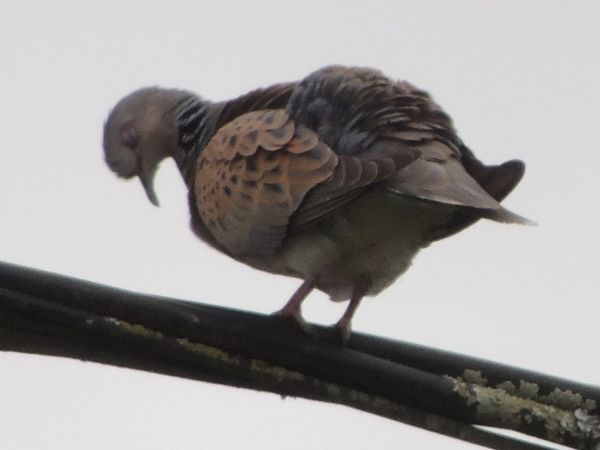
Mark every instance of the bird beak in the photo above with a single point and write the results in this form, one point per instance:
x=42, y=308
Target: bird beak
x=148, y=183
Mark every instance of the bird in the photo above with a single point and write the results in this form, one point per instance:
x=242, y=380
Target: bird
x=338, y=179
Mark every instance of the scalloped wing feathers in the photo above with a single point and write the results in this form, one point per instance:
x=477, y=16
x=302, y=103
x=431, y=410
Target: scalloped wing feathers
x=253, y=175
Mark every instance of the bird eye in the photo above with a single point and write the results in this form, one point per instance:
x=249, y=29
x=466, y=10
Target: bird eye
x=129, y=136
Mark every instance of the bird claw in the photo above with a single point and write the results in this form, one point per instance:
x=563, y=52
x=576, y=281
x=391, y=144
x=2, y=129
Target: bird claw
x=342, y=331
x=296, y=320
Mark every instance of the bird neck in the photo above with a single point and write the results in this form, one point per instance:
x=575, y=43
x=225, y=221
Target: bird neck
x=194, y=119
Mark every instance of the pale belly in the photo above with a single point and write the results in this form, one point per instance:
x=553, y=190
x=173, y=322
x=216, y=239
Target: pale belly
x=375, y=236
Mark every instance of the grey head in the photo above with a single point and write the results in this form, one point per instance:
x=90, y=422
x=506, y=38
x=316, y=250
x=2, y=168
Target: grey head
x=141, y=131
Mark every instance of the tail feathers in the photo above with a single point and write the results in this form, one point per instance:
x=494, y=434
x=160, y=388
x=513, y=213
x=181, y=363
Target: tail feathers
x=503, y=215
x=443, y=182
x=500, y=180
x=476, y=187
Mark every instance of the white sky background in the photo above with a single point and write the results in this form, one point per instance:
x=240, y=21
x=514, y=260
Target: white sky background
x=520, y=79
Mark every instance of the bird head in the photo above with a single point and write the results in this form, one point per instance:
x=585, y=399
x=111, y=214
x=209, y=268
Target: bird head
x=139, y=133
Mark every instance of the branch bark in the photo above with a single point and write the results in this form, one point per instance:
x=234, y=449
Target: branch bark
x=452, y=394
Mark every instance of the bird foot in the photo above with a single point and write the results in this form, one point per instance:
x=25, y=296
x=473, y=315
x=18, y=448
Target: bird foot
x=293, y=317
x=342, y=331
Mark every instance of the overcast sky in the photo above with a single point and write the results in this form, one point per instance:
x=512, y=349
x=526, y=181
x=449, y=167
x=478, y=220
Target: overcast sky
x=521, y=80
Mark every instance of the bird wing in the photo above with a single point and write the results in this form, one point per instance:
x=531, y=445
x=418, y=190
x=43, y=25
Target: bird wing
x=252, y=176
x=270, y=171
x=363, y=114
x=262, y=173
x=352, y=176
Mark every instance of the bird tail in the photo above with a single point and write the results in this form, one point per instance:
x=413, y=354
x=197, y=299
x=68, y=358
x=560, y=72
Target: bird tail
x=504, y=215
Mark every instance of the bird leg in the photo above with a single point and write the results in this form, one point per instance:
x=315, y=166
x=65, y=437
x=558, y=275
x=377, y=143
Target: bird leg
x=292, y=308
x=343, y=326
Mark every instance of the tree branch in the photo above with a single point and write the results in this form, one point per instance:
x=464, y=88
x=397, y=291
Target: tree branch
x=447, y=393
